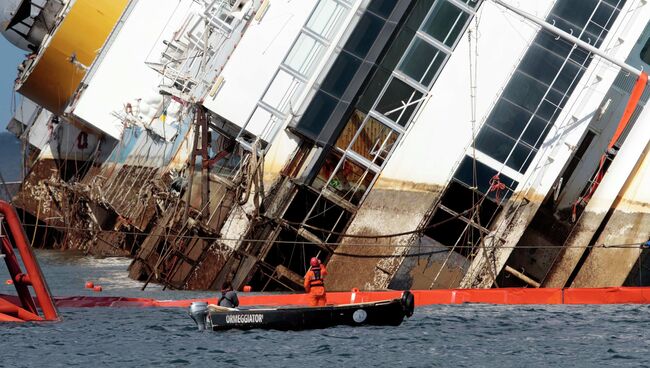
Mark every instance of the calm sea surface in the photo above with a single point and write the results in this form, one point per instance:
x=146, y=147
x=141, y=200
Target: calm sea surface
x=436, y=336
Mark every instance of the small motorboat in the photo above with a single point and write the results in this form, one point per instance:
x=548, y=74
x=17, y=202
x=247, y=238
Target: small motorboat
x=381, y=313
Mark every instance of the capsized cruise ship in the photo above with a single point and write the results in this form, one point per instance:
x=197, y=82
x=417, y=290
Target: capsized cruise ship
x=411, y=144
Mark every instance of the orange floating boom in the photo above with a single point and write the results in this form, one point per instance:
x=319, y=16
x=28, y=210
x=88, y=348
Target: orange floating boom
x=510, y=296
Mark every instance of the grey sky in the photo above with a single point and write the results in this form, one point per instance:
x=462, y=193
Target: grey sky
x=10, y=57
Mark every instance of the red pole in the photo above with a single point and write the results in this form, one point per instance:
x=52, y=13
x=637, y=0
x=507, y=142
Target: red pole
x=14, y=270
x=33, y=270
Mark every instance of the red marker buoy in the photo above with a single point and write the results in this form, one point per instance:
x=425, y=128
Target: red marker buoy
x=89, y=285
x=247, y=289
x=9, y=282
x=97, y=288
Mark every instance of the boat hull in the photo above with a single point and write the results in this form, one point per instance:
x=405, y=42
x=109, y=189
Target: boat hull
x=382, y=313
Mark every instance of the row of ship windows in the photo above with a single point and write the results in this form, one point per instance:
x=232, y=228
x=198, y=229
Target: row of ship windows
x=381, y=115
x=531, y=101
x=521, y=119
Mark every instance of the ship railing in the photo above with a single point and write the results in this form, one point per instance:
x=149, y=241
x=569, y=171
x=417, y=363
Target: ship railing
x=188, y=63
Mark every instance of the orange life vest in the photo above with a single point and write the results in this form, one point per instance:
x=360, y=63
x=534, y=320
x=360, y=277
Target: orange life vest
x=316, y=279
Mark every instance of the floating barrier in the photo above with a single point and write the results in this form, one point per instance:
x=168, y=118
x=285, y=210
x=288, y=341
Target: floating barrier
x=511, y=296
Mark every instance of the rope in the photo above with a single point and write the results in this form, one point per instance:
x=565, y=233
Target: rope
x=215, y=238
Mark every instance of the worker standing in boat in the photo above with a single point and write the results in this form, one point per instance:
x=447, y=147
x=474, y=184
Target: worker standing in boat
x=315, y=283
x=228, y=297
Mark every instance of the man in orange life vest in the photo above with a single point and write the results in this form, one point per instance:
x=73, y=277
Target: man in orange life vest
x=315, y=284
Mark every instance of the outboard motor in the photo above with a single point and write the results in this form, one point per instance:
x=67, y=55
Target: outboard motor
x=199, y=313
x=408, y=303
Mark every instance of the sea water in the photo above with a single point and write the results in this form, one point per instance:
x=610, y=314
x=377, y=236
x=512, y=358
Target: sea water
x=470, y=335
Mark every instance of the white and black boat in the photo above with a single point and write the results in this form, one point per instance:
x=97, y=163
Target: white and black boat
x=382, y=313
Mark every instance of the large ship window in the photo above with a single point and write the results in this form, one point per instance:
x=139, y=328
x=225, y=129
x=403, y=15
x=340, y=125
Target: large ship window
x=445, y=23
x=399, y=102
x=364, y=35
x=538, y=89
x=374, y=141
x=341, y=73
x=319, y=110
x=345, y=178
x=327, y=18
x=422, y=61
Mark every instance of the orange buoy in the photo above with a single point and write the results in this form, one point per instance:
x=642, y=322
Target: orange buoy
x=247, y=289
x=89, y=285
x=9, y=282
x=97, y=288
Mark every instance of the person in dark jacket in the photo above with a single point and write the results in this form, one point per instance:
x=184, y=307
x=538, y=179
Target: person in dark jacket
x=228, y=296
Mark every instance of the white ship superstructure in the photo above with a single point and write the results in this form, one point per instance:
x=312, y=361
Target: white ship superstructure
x=412, y=144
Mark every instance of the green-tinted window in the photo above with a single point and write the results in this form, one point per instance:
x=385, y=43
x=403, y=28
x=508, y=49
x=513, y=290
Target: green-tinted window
x=445, y=22
x=422, y=61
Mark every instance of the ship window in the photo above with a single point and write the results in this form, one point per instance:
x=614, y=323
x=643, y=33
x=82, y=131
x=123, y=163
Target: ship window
x=535, y=132
x=327, y=169
x=382, y=7
x=540, y=64
x=574, y=12
x=494, y=143
x=569, y=74
x=603, y=16
x=548, y=110
x=445, y=23
x=419, y=12
x=616, y=3
x=448, y=231
x=422, y=61
x=508, y=118
x=347, y=135
x=399, y=101
x=349, y=180
x=283, y=92
x=305, y=54
x=524, y=91
x=460, y=198
x=551, y=43
x=397, y=49
x=520, y=158
x=471, y=3
x=364, y=34
x=317, y=114
x=373, y=89
x=341, y=73
x=329, y=217
x=484, y=173
x=374, y=140
x=291, y=251
x=300, y=205
x=645, y=52
x=326, y=18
